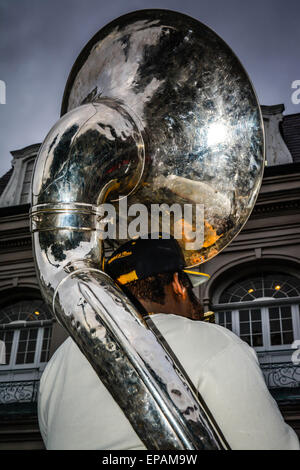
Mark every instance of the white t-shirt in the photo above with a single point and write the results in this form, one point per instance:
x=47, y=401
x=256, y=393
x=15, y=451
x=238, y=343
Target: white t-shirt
x=77, y=412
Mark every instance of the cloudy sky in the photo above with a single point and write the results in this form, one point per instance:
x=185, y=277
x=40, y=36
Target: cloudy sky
x=40, y=40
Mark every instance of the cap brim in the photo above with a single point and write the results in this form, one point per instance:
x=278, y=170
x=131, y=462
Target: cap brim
x=196, y=278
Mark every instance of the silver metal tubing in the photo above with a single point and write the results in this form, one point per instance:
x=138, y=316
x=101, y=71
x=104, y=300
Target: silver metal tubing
x=159, y=109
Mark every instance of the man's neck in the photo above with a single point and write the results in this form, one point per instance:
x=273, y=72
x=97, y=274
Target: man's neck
x=153, y=307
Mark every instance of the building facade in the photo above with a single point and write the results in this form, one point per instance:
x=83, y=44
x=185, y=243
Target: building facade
x=254, y=289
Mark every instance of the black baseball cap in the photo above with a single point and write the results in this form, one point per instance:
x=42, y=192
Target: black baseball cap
x=141, y=258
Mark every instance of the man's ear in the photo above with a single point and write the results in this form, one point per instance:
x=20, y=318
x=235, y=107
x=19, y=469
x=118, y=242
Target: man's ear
x=178, y=288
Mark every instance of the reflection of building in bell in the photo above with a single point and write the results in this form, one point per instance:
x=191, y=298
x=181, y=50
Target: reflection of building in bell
x=254, y=288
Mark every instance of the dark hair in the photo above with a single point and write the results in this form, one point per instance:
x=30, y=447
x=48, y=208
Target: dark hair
x=153, y=287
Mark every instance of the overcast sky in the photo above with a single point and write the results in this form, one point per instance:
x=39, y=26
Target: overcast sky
x=40, y=40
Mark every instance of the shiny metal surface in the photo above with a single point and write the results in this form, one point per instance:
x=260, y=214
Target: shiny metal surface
x=160, y=110
x=195, y=108
x=131, y=363
x=75, y=171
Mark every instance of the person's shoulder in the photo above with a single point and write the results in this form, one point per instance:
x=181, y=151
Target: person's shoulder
x=62, y=350
x=188, y=328
x=201, y=341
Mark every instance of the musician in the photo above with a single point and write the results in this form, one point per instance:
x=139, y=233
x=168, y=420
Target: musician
x=77, y=412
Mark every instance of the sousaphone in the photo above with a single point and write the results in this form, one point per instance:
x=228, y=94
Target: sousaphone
x=157, y=110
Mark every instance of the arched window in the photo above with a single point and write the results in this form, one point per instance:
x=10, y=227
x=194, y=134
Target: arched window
x=262, y=309
x=25, y=329
x=263, y=286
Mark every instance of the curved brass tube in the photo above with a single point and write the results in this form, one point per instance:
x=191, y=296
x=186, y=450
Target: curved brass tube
x=158, y=109
x=105, y=325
